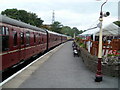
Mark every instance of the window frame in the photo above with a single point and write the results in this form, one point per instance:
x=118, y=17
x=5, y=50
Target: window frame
x=4, y=30
x=4, y=36
x=22, y=38
x=27, y=38
x=34, y=38
x=39, y=38
x=15, y=38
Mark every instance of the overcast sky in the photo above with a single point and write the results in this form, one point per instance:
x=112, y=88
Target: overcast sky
x=82, y=14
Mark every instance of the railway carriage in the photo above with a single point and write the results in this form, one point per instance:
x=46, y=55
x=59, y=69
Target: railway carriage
x=64, y=38
x=20, y=41
x=53, y=39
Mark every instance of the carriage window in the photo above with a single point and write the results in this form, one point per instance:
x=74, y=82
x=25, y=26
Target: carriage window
x=7, y=31
x=22, y=38
x=14, y=38
x=42, y=40
x=5, y=38
x=4, y=30
x=0, y=30
x=34, y=38
x=55, y=39
x=5, y=43
x=39, y=39
x=27, y=38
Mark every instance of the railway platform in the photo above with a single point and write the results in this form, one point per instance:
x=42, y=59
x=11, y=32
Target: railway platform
x=59, y=69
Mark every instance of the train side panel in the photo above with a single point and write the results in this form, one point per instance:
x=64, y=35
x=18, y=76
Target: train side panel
x=20, y=44
x=53, y=39
x=21, y=41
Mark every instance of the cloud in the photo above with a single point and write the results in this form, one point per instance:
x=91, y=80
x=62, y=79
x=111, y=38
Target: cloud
x=61, y=1
x=76, y=19
x=82, y=14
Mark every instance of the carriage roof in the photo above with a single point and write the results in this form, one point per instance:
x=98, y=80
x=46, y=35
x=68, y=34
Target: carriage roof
x=14, y=22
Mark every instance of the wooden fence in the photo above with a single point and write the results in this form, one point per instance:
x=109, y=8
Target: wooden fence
x=92, y=46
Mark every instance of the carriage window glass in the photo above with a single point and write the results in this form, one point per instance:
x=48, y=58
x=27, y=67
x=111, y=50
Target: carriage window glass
x=5, y=43
x=55, y=39
x=14, y=38
x=0, y=30
x=42, y=40
x=39, y=39
x=3, y=30
x=22, y=38
x=4, y=39
x=34, y=38
x=27, y=38
x=7, y=31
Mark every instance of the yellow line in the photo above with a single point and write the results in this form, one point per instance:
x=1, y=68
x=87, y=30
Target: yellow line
x=20, y=49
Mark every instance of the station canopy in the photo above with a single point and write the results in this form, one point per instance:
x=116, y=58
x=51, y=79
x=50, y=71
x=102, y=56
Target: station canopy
x=108, y=30
x=111, y=29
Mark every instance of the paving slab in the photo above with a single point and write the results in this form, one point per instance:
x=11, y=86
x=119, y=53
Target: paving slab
x=60, y=69
x=63, y=70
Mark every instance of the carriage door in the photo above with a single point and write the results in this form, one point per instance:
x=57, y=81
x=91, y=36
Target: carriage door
x=22, y=46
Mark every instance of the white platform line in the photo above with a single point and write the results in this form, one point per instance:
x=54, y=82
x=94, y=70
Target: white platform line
x=8, y=79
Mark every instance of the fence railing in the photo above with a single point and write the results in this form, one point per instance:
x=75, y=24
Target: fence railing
x=92, y=46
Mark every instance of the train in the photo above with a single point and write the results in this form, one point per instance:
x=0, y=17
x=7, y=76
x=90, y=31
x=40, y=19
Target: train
x=20, y=41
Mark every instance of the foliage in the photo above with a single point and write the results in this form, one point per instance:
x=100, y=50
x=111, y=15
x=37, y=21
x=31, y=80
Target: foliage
x=77, y=39
x=113, y=53
x=70, y=31
x=117, y=23
x=24, y=16
x=32, y=18
x=56, y=27
x=59, y=28
x=82, y=45
x=67, y=30
x=111, y=60
x=48, y=27
x=112, y=57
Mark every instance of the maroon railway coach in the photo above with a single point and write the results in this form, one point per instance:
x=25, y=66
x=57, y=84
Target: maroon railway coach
x=64, y=38
x=53, y=39
x=19, y=41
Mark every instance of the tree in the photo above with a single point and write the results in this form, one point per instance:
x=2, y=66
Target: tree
x=81, y=31
x=75, y=30
x=56, y=27
x=24, y=16
x=70, y=32
x=46, y=26
x=117, y=23
x=12, y=13
x=66, y=30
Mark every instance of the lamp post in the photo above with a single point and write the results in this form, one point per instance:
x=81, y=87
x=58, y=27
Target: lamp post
x=98, y=76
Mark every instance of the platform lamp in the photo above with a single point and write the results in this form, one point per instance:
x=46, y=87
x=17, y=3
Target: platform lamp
x=98, y=76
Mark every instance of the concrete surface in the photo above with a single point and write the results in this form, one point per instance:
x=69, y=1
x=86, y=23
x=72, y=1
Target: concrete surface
x=62, y=70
